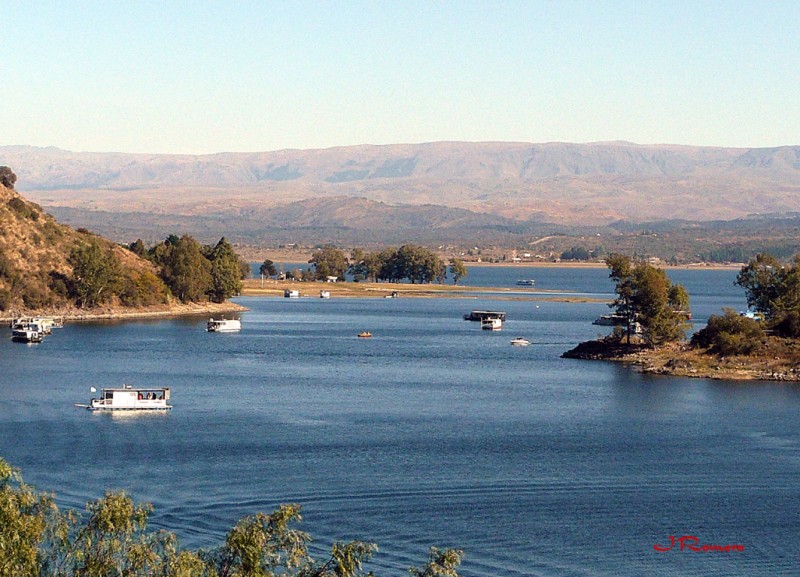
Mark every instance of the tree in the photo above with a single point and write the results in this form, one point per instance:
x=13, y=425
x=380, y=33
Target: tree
x=7, y=177
x=761, y=281
x=645, y=296
x=458, y=269
x=329, y=261
x=137, y=247
x=576, y=253
x=267, y=268
x=95, y=273
x=184, y=268
x=622, y=274
x=226, y=272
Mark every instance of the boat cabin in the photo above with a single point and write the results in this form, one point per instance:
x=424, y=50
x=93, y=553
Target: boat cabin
x=126, y=398
x=481, y=315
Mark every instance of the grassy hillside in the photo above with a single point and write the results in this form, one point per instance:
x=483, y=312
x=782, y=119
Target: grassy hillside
x=37, y=264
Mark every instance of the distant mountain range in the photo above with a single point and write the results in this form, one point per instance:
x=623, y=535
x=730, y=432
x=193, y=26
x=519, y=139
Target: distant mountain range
x=442, y=190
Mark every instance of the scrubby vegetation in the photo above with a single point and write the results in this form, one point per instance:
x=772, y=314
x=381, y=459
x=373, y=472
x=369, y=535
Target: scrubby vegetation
x=112, y=540
x=48, y=266
x=730, y=334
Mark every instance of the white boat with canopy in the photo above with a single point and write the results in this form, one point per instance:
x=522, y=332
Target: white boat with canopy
x=126, y=398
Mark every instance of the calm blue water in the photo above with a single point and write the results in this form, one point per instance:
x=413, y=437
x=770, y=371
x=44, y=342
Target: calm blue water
x=431, y=433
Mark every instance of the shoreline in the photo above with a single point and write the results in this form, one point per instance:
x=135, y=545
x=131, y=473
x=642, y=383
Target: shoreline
x=679, y=360
x=120, y=313
x=311, y=289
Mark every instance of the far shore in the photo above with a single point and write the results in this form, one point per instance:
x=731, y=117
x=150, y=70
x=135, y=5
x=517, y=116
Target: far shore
x=121, y=313
x=272, y=288
x=300, y=256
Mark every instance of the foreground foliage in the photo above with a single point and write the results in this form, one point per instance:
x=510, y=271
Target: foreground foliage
x=112, y=540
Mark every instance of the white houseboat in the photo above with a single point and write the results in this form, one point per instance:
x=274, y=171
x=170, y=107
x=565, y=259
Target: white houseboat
x=492, y=324
x=291, y=294
x=324, y=294
x=223, y=325
x=126, y=398
x=481, y=315
x=27, y=333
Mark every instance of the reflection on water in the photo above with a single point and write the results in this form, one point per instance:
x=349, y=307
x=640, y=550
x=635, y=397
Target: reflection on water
x=433, y=432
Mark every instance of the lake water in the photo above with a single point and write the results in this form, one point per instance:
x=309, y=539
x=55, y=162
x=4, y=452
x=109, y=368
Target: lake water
x=433, y=432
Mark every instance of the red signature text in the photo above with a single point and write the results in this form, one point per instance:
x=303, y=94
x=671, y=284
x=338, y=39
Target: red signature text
x=692, y=543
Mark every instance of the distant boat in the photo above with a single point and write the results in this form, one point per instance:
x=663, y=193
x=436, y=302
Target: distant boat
x=223, y=325
x=391, y=296
x=526, y=282
x=291, y=294
x=324, y=294
x=480, y=315
x=520, y=342
x=613, y=320
x=365, y=335
x=126, y=398
x=492, y=324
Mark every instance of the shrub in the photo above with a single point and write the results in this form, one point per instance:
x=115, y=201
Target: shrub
x=7, y=177
x=789, y=325
x=23, y=209
x=143, y=289
x=729, y=334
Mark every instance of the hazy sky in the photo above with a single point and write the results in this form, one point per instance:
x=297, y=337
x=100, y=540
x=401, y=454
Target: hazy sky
x=199, y=77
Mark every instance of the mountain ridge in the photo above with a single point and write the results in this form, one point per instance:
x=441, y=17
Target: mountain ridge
x=562, y=183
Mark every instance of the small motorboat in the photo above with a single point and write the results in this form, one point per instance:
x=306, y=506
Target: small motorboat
x=520, y=342
x=365, y=335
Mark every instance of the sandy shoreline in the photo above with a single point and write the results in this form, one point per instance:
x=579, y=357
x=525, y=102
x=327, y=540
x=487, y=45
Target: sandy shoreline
x=272, y=288
x=189, y=309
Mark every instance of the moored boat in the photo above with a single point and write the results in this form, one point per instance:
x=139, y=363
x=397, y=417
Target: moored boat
x=526, y=282
x=365, y=335
x=223, y=325
x=291, y=294
x=126, y=398
x=612, y=320
x=492, y=324
x=29, y=333
x=480, y=315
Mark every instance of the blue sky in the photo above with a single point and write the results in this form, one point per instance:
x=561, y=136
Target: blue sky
x=202, y=77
